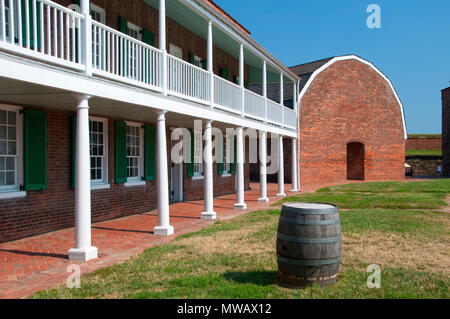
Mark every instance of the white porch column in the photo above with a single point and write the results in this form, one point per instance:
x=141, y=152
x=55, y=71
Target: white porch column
x=86, y=37
x=263, y=166
x=209, y=213
x=281, y=89
x=281, y=192
x=264, y=87
x=162, y=43
x=294, y=166
x=240, y=169
x=83, y=249
x=241, y=78
x=210, y=61
x=162, y=178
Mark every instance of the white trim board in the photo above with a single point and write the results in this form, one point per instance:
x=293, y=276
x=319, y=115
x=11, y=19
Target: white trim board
x=357, y=58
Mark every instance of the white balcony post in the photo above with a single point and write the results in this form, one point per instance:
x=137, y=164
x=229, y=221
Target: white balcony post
x=263, y=166
x=210, y=61
x=240, y=169
x=162, y=43
x=282, y=98
x=264, y=87
x=241, y=78
x=83, y=250
x=209, y=213
x=294, y=166
x=86, y=38
x=281, y=192
x=162, y=177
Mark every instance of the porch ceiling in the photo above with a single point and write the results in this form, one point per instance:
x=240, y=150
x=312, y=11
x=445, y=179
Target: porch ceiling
x=184, y=15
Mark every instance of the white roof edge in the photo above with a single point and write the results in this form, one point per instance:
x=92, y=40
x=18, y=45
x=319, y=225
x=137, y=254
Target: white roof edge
x=354, y=57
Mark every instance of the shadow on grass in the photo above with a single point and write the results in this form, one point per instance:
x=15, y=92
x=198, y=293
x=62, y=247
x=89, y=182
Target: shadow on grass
x=260, y=278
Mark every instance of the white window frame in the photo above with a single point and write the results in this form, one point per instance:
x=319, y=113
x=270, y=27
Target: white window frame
x=198, y=61
x=226, y=162
x=13, y=191
x=137, y=181
x=103, y=183
x=8, y=22
x=198, y=155
x=176, y=51
x=136, y=29
x=101, y=12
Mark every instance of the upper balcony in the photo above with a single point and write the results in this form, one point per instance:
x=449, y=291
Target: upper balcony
x=84, y=42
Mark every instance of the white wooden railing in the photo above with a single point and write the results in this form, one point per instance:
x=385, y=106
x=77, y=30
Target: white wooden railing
x=41, y=29
x=254, y=106
x=123, y=58
x=227, y=95
x=290, y=118
x=47, y=31
x=274, y=113
x=187, y=80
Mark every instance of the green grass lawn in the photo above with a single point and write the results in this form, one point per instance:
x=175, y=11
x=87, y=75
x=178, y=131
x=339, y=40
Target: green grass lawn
x=395, y=225
x=424, y=152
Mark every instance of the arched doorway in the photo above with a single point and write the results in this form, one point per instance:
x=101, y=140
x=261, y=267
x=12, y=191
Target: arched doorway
x=355, y=161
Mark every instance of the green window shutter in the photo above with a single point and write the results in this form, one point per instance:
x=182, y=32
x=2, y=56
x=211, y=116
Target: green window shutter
x=73, y=149
x=31, y=24
x=235, y=80
x=233, y=163
x=220, y=155
x=123, y=27
x=225, y=74
x=190, y=166
x=205, y=64
x=148, y=37
x=120, y=136
x=35, y=150
x=246, y=84
x=150, y=153
x=191, y=58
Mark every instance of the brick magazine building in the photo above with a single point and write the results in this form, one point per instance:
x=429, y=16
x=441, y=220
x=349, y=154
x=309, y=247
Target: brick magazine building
x=446, y=131
x=351, y=123
x=87, y=112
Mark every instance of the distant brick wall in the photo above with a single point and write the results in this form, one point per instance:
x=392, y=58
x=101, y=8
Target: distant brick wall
x=424, y=165
x=53, y=209
x=350, y=102
x=417, y=143
x=446, y=131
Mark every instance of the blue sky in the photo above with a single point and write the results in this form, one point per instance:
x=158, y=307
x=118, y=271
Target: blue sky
x=412, y=48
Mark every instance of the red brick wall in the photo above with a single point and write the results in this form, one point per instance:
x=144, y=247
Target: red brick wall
x=53, y=209
x=423, y=143
x=446, y=131
x=350, y=102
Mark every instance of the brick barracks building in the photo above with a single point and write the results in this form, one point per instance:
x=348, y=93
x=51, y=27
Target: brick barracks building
x=90, y=99
x=351, y=123
x=446, y=132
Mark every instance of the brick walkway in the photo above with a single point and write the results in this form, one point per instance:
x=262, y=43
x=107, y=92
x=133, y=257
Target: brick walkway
x=40, y=262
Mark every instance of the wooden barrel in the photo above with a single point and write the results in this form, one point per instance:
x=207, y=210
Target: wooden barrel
x=309, y=244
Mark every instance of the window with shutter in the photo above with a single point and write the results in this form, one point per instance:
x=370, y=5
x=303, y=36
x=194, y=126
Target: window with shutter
x=10, y=148
x=150, y=153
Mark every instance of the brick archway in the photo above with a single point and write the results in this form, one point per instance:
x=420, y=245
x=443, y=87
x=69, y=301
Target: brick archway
x=355, y=161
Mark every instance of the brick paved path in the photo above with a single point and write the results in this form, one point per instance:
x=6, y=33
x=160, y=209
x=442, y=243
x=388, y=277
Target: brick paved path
x=36, y=263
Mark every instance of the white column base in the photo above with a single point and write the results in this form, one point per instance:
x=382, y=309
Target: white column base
x=165, y=231
x=242, y=206
x=281, y=195
x=263, y=200
x=294, y=190
x=83, y=254
x=209, y=216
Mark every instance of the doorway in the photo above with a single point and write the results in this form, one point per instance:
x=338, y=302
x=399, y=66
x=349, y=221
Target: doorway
x=176, y=180
x=355, y=161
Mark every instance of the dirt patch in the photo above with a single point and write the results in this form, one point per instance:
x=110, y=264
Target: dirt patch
x=400, y=251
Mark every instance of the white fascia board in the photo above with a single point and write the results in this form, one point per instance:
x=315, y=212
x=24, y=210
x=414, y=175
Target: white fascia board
x=357, y=58
x=41, y=74
x=239, y=38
